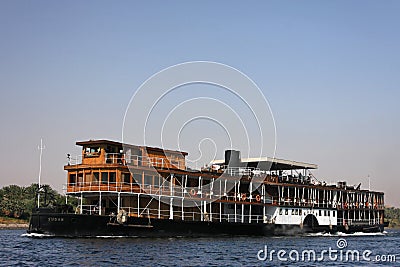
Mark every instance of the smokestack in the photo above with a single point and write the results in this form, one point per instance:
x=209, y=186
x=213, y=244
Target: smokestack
x=232, y=158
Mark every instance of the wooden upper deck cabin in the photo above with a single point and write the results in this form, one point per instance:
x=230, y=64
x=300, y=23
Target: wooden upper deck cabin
x=103, y=165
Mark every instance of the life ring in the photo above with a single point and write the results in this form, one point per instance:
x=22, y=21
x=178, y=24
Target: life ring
x=193, y=192
x=258, y=198
x=122, y=216
x=244, y=197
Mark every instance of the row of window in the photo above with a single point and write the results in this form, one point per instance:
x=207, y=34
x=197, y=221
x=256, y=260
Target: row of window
x=126, y=178
x=299, y=212
x=104, y=177
x=111, y=177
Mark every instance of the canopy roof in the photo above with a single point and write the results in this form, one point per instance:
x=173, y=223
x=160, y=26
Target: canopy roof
x=119, y=144
x=273, y=164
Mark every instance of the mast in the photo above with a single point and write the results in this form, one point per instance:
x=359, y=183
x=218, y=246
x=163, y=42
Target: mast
x=41, y=147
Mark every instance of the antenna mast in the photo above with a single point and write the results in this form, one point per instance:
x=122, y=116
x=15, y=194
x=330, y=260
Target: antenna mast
x=41, y=147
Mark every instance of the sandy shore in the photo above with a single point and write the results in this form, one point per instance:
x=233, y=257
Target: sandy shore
x=14, y=226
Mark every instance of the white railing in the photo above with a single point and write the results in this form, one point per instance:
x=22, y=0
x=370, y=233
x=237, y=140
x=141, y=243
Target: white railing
x=166, y=190
x=192, y=216
x=350, y=222
x=135, y=160
x=194, y=193
x=177, y=214
x=74, y=160
x=87, y=209
x=246, y=171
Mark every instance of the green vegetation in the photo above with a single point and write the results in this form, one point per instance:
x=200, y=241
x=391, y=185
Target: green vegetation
x=18, y=201
x=393, y=216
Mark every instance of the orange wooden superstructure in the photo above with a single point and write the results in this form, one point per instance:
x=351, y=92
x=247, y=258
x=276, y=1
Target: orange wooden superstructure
x=104, y=166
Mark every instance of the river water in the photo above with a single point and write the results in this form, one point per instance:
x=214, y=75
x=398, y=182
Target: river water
x=17, y=249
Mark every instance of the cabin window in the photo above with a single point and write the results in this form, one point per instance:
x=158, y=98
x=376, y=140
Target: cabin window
x=320, y=213
x=293, y=212
x=325, y=212
x=112, y=177
x=329, y=213
x=148, y=179
x=333, y=213
x=300, y=212
x=280, y=211
x=286, y=211
x=126, y=178
x=157, y=180
x=96, y=176
x=72, y=178
x=111, y=149
x=92, y=151
x=80, y=177
x=104, y=177
x=88, y=177
x=137, y=177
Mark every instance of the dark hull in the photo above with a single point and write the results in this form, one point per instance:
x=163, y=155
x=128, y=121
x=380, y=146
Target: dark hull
x=77, y=225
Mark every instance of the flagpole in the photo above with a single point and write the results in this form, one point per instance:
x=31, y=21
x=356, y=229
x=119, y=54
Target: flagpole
x=40, y=170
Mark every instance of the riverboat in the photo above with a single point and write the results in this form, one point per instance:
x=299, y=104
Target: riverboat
x=130, y=190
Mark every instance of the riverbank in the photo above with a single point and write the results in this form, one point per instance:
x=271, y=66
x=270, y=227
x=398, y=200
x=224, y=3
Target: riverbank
x=11, y=223
x=13, y=226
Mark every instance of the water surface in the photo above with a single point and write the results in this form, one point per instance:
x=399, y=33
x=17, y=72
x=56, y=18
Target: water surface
x=17, y=249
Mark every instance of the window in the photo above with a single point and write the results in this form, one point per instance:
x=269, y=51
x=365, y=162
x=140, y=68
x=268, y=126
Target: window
x=112, y=177
x=325, y=212
x=95, y=177
x=148, y=179
x=300, y=211
x=104, y=177
x=126, y=178
x=72, y=178
x=157, y=180
x=137, y=177
x=293, y=212
x=92, y=151
x=333, y=213
x=329, y=213
x=80, y=177
x=280, y=211
x=320, y=213
x=286, y=211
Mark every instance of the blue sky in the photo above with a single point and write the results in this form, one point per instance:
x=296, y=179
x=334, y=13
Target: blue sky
x=330, y=71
